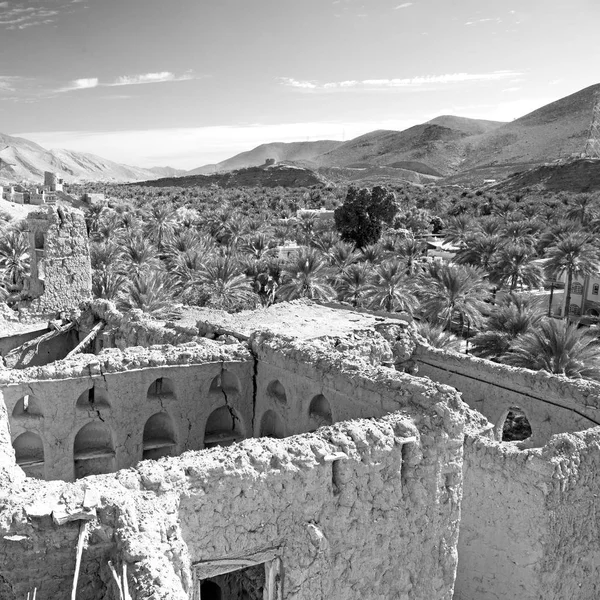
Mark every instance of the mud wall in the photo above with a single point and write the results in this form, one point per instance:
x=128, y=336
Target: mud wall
x=552, y=404
x=102, y=411
x=529, y=520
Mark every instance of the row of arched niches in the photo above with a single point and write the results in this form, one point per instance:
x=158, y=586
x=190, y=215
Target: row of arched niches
x=94, y=448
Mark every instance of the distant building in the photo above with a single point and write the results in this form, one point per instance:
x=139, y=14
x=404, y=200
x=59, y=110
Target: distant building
x=87, y=197
x=269, y=162
x=52, y=182
x=320, y=214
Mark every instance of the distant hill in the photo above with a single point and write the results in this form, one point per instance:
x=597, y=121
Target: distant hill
x=25, y=161
x=292, y=152
x=167, y=171
x=271, y=176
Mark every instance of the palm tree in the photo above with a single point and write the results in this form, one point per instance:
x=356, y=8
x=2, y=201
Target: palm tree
x=411, y=252
x=479, y=250
x=225, y=284
x=255, y=245
x=437, y=337
x=449, y=291
x=138, y=256
x=458, y=229
x=557, y=347
x=14, y=257
x=150, y=293
x=515, y=316
x=583, y=209
x=515, y=266
x=107, y=284
x=342, y=255
x=575, y=256
x=390, y=288
x=352, y=284
x=160, y=224
x=305, y=276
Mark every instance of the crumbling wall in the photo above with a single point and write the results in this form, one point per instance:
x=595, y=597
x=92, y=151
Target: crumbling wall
x=61, y=274
x=363, y=509
x=123, y=401
x=529, y=520
x=552, y=404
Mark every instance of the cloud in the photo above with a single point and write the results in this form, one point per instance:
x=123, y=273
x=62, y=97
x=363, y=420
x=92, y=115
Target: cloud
x=420, y=82
x=162, y=77
x=403, y=5
x=80, y=84
x=7, y=83
x=486, y=20
x=30, y=13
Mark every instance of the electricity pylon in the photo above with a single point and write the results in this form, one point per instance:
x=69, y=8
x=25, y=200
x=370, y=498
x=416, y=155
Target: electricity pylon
x=592, y=145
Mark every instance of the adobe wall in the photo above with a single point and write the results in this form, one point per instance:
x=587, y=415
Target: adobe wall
x=551, y=403
x=361, y=509
x=122, y=404
x=530, y=527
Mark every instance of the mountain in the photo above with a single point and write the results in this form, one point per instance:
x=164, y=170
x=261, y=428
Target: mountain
x=265, y=176
x=23, y=160
x=293, y=152
x=167, y=171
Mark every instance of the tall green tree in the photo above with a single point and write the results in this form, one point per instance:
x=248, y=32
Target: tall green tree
x=361, y=217
x=390, y=288
x=305, y=276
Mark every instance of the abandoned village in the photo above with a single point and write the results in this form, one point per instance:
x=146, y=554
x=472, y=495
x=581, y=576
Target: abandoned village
x=304, y=451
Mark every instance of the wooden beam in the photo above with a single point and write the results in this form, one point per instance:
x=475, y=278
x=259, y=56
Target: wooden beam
x=88, y=338
x=80, y=541
x=211, y=568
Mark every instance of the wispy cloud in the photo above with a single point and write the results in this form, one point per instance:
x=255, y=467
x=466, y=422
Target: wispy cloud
x=403, y=5
x=162, y=77
x=425, y=81
x=484, y=20
x=30, y=13
x=145, y=78
x=8, y=83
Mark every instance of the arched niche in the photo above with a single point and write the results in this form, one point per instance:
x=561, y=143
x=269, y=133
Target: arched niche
x=93, y=450
x=28, y=407
x=209, y=590
x=223, y=428
x=319, y=412
x=276, y=391
x=29, y=453
x=225, y=383
x=93, y=399
x=162, y=389
x=514, y=425
x=159, y=437
x=271, y=425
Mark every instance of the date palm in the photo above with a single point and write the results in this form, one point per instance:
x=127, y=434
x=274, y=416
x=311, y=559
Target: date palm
x=437, y=337
x=14, y=257
x=226, y=285
x=479, y=250
x=150, y=293
x=558, y=347
x=390, y=288
x=353, y=283
x=574, y=255
x=515, y=266
x=449, y=291
x=305, y=276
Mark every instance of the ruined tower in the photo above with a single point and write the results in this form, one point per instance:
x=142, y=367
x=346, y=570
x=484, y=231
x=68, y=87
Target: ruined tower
x=60, y=259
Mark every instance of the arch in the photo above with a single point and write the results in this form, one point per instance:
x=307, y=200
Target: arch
x=319, y=412
x=28, y=406
x=209, y=590
x=223, y=428
x=276, y=390
x=160, y=388
x=29, y=450
x=593, y=312
x=159, y=437
x=514, y=425
x=225, y=383
x=271, y=425
x=94, y=399
x=93, y=450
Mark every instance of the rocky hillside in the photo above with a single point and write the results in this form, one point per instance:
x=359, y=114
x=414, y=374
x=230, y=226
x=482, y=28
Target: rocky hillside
x=25, y=161
x=271, y=176
x=295, y=151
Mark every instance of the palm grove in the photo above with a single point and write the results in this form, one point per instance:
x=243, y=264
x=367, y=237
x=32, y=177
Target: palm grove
x=154, y=249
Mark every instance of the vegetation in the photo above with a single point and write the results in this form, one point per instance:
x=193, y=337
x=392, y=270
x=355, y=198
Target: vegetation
x=155, y=249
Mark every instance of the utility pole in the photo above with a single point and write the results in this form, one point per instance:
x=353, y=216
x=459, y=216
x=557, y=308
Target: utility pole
x=592, y=145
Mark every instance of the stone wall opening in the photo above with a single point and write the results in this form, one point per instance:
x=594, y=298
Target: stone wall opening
x=319, y=413
x=222, y=428
x=276, y=391
x=161, y=388
x=515, y=426
x=271, y=425
x=29, y=452
x=159, y=437
x=225, y=383
x=28, y=407
x=93, y=450
x=93, y=399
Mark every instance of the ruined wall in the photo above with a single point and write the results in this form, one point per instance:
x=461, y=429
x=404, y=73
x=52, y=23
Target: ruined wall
x=529, y=520
x=363, y=509
x=194, y=381
x=551, y=403
x=61, y=276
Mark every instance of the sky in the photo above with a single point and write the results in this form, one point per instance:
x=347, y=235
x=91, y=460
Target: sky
x=189, y=82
